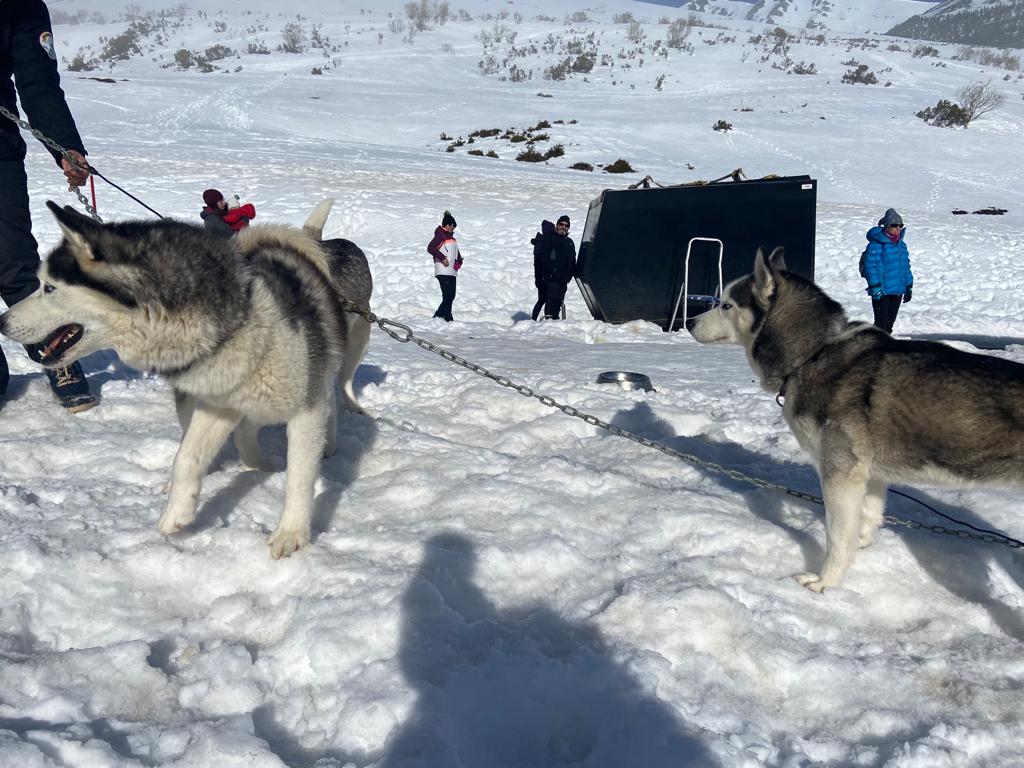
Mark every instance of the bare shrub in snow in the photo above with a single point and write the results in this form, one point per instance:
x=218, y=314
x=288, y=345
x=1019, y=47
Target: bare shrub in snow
x=293, y=38
x=978, y=99
x=678, y=31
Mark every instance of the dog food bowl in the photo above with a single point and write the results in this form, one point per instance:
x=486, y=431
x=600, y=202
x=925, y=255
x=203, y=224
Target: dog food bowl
x=626, y=380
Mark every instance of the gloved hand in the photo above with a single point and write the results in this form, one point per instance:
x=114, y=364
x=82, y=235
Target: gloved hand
x=908, y=293
x=875, y=292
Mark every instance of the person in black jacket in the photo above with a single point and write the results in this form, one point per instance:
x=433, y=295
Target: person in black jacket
x=546, y=228
x=554, y=263
x=28, y=62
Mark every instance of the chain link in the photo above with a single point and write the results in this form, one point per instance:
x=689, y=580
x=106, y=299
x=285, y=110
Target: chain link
x=403, y=333
x=58, y=149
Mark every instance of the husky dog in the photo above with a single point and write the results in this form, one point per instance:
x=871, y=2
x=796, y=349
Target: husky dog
x=248, y=331
x=869, y=409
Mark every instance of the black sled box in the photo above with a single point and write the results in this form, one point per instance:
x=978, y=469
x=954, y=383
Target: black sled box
x=633, y=253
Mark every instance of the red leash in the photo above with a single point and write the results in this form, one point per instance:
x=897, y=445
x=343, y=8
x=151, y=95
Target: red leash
x=92, y=189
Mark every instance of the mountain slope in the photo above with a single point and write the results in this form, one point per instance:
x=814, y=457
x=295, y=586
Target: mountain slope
x=993, y=23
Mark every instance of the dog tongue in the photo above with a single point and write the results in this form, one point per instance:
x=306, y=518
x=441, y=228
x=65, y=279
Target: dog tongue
x=54, y=344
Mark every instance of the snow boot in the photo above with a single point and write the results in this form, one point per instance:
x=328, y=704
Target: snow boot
x=71, y=388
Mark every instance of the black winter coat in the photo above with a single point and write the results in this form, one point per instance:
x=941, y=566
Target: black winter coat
x=554, y=256
x=26, y=45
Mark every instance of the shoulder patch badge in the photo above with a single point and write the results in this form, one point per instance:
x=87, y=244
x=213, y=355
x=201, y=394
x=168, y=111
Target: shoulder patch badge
x=46, y=41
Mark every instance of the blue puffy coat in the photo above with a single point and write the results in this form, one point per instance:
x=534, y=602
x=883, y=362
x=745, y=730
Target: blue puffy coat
x=886, y=263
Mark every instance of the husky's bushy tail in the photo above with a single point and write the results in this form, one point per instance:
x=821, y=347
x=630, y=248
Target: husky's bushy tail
x=314, y=225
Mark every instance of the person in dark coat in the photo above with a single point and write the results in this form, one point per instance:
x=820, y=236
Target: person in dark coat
x=885, y=264
x=546, y=228
x=28, y=68
x=554, y=260
x=221, y=217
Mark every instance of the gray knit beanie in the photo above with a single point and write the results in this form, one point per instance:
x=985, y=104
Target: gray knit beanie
x=891, y=219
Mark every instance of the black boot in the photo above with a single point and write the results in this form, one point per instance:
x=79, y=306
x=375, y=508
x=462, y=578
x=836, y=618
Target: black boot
x=71, y=388
x=5, y=376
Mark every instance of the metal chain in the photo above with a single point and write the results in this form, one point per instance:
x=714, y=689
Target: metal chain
x=56, y=148
x=404, y=334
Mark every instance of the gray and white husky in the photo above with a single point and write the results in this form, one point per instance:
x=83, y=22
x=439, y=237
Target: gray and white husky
x=248, y=331
x=871, y=410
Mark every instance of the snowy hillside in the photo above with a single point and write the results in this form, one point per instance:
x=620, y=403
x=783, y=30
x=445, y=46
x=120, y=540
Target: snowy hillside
x=492, y=583
x=974, y=22
x=834, y=15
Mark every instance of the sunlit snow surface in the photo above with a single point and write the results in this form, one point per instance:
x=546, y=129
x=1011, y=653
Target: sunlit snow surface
x=492, y=583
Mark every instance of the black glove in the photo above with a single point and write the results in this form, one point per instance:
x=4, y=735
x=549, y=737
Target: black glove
x=908, y=293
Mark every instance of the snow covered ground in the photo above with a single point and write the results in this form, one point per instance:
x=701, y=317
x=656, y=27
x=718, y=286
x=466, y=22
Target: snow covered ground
x=493, y=583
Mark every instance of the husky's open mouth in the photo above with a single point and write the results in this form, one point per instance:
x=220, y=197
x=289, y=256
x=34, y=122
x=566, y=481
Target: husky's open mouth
x=59, y=342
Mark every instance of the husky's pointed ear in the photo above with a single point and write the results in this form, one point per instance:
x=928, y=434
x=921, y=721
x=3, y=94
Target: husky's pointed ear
x=79, y=230
x=778, y=259
x=764, y=278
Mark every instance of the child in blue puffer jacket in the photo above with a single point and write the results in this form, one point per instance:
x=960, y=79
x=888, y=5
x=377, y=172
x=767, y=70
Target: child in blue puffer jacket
x=885, y=264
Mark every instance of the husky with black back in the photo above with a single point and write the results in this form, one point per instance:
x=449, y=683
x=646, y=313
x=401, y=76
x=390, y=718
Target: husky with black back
x=249, y=331
x=871, y=410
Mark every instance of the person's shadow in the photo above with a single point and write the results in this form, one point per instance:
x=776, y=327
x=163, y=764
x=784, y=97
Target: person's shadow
x=960, y=567
x=519, y=689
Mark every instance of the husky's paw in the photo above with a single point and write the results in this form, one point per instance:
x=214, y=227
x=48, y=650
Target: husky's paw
x=867, y=536
x=812, y=581
x=175, y=518
x=284, y=541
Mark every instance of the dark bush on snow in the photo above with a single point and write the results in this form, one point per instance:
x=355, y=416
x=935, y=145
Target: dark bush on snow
x=944, y=114
x=530, y=155
x=619, y=166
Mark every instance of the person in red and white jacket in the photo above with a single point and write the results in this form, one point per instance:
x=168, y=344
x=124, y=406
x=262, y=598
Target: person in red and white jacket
x=447, y=262
x=222, y=218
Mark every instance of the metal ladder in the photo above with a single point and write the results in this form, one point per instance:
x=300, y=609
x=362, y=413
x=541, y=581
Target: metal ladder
x=683, y=291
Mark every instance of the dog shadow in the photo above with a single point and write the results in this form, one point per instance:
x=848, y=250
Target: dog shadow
x=357, y=434
x=961, y=570
x=367, y=375
x=642, y=420
x=960, y=566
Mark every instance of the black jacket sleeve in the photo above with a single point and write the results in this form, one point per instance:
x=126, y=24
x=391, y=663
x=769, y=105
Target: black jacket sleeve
x=36, y=78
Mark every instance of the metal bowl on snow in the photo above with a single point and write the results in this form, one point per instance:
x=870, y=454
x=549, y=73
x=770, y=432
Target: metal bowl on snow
x=626, y=380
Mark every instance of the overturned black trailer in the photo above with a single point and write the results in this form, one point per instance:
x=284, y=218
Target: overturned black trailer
x=640, y=246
